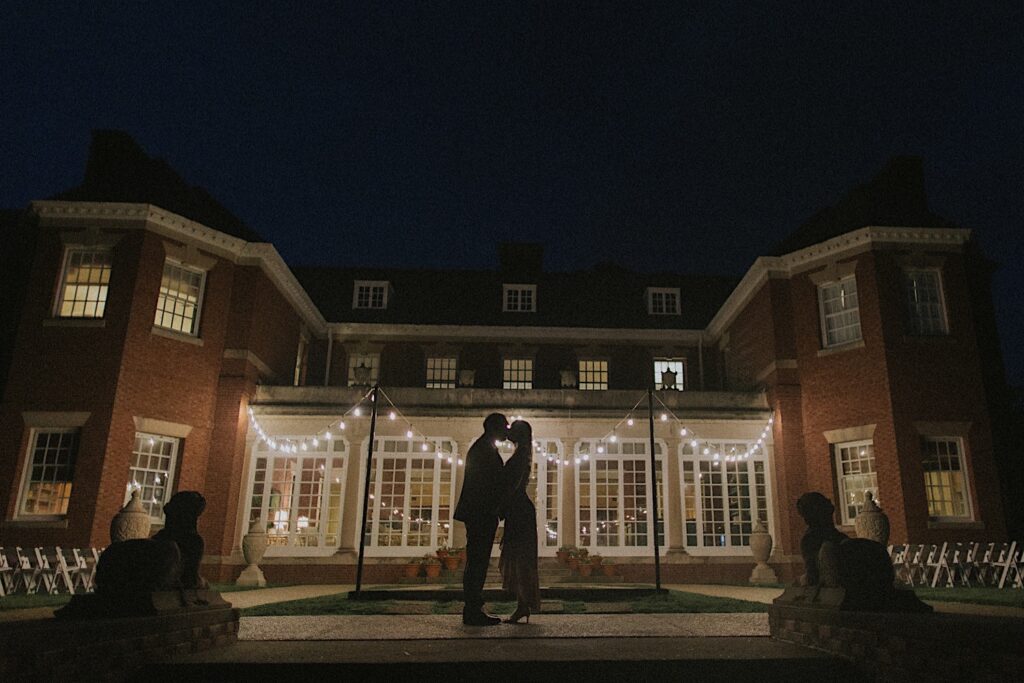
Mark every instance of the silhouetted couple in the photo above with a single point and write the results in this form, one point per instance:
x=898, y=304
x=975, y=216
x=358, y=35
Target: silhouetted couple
x=492, y=491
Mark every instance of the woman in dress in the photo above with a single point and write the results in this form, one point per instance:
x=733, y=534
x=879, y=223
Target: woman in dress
x=518, y=561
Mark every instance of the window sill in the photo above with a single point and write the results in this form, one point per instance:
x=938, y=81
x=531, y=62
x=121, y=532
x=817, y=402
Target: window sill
x=946, y=338
x=859, y=344
x=954, y=524
x=74, y=322
x=35, y=524
x=178, y=336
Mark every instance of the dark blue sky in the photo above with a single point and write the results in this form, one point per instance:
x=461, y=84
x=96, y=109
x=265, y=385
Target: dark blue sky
x=674, y=137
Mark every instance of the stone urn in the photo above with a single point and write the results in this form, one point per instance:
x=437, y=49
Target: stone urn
x=254, y=545
x=871, y=522
x=761, y=549
x=467, y=378
x=131, y=522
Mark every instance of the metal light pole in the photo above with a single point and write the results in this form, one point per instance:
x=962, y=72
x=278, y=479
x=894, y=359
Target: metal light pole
x=366, y=488
x=654, y=493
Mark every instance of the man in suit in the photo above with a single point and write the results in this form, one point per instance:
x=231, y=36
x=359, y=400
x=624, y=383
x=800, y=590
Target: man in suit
x=478, y=509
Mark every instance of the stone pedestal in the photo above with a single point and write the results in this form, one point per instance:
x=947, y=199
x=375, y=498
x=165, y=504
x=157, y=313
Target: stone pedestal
x=761, y=548
x=254, y=544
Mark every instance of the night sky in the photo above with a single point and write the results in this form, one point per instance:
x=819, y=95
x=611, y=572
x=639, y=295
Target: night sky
x=675, y=137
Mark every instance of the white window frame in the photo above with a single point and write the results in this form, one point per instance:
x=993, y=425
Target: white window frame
x=587, y=452
x=913, y=308
x=291, y=546
x=435, y=445
x=843, y=494
x=592, y=385
x=441, y=381
x=519, y=289
x=26, y=475
x=669, y=363
x=384, y=285
x=60, y=299
x=665, y=291
x=968, y=516
x=374, y=357
x=539, y=490
x=729, y=452
x=158, y=516
x=824, y=318
x=194, y=332
x=505, y=370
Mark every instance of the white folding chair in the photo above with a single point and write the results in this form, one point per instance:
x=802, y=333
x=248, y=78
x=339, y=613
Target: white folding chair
x=933, y=565
x=50, y=574
x=967, y=564
x=983, y=562
x=6, y=575
x=28, y=572
x=913, y=565
x=85, y=572
x=67, y=566
x=1005, y=564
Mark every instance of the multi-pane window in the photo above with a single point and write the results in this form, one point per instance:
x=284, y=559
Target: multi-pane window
x=84, y=284
x=441, y=372
x=855, y=473
x=925, y=312
x=723, y=494
x=51, y=470
x=370, y=294
x=152, y=471
x=663, y=365
x=519, y=298
x=612, y=502
x=593, y=375
x=663, y=300
x=181, y=296
x=944, y=482
x=298, y=496
x=517, y=373
x=363, y=369
x=412, y=484
x=840, y=312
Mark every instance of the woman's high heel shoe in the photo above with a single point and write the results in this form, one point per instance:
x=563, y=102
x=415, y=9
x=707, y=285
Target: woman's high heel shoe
x=519, y=614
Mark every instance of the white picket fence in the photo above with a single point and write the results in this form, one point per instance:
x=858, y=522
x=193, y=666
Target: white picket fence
x=997, y=565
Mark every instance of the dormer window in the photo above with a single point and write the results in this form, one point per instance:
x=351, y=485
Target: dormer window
x=519, y=298
x=370, y=294
x=663, y=300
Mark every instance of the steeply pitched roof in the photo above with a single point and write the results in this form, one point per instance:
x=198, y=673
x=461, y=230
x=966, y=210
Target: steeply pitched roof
x=605, y=296
x=119, y=170
x=894, y=197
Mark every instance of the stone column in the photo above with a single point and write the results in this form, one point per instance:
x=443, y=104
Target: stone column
x=568, y=525
x=352, y=500
x=458, y=528
x=673, y=506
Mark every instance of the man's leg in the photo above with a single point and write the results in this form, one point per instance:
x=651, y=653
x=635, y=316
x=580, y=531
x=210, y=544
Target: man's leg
x=479, y=540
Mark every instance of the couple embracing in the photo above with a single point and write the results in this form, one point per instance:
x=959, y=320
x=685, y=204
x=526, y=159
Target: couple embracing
x=492, y=491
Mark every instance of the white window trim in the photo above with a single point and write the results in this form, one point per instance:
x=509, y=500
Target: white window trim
x=289, y=550
x=680, y=380
x=62, y=279
x=593, y=359
x=621, y=550
x=27, y=469
x=651, y=291
x=543, y=549
x=349, y=368
x=762, y=455
x=968, y=498
x=821, y=315
x=838, y=465
x=533, y=372
x=943, y=313
x=171, y=471
x=385, y=284
x=505, y=288
x=197, y=321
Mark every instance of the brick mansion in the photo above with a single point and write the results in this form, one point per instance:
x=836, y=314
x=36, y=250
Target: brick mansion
x=158, y=344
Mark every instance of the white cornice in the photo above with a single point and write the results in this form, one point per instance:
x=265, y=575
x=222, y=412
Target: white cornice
x=405, y=332
x=168, y=224
x=766, y=267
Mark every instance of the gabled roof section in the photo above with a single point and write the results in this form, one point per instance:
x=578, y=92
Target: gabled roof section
x=119, y=170
x=894, y=197
x=602, y=297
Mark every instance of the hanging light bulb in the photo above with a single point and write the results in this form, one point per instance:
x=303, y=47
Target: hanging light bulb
x=328, y=436
x=424, y=447
x=358, y=411
x=392, y=415
x=629, y=422
x=408, y=434
x=341, y=425
x=316, y=442
x=600, y=449
x=664, y=417
x=613, y=438
x=304, y=446
x=460, y=462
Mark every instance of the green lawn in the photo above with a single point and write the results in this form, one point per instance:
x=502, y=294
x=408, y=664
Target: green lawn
x=1007, y=597
x=22, y=601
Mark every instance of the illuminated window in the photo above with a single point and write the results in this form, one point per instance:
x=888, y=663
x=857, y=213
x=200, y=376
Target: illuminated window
x=51, y=470
x=925, y=311
x=855, y=472
x=152, y=471
x=593, y=375
x=517, y=373
x=370, y=294
x=519, y=298
x=663, y=365
x=441, y=372
x=944, y=482
x=84, y=283
x=298, y=495
x=363, y=369
x=181, y=297
x=663, y=300
x=840, y=312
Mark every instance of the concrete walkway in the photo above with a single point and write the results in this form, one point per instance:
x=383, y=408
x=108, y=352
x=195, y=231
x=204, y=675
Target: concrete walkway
x=265, y=596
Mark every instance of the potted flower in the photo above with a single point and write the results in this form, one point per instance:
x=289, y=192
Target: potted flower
x=432, y=566
x=563, y=553
x=583, y=558
x=596, y=560
x=412, y=569
x=573, y=560
x=442, y=552
x=608, y=568
x=451, y=562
